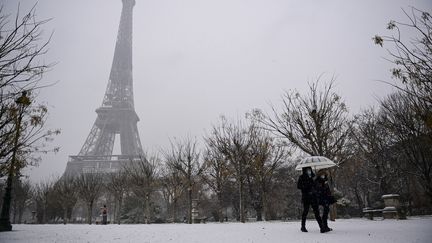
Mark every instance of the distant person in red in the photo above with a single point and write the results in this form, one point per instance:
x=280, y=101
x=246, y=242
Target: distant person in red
x=104, y=212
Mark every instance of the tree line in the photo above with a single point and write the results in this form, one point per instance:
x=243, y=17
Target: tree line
x=246, y=167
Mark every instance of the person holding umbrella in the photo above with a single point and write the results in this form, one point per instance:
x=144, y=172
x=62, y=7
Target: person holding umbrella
x=306, y=184
x=325, y=198
x=309, y=199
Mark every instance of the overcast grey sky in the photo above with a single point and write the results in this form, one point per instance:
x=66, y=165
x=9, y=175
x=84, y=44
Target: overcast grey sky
x=197, y=59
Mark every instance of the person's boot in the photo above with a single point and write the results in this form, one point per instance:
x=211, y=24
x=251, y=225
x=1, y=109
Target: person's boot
x=322, y=226
x=303, y=225
x=325, y=229
x=325, y=225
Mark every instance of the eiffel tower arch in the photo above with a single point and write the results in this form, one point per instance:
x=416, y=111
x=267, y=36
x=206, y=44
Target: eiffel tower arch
x=116, y=115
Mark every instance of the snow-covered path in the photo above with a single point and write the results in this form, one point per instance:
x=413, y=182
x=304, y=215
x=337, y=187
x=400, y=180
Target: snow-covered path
x=347, y=231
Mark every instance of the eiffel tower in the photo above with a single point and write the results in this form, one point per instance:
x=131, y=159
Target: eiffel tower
x=116, y=115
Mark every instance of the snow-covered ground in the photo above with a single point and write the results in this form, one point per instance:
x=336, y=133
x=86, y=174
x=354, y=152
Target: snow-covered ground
x=347, y=231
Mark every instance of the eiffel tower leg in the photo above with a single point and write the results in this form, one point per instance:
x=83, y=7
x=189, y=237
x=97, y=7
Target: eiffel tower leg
x=105, y=143
x=90, y=142
x=129, y=139
x=98, y=142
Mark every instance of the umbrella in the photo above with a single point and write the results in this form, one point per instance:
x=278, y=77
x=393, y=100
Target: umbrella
x=315, y=162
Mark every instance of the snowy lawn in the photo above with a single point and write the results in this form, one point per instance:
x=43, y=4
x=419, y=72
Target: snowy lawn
x=347, y=231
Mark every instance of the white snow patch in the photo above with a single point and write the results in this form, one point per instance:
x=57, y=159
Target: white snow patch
x=349, y=230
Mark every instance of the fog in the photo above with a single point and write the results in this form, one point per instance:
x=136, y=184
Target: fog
x=195, y=60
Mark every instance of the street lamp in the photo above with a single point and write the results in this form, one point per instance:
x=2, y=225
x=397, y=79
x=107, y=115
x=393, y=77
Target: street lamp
x=22, y=102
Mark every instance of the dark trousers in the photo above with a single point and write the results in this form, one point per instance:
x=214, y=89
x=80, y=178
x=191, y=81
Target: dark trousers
x=325, y=215
x=104, y=219
x=307, y=203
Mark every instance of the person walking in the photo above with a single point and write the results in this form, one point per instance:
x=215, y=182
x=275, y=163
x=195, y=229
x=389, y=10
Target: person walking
x=104, y=212
x=306, y=184
x=325, y=198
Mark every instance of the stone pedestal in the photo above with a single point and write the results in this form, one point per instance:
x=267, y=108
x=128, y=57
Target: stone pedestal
x=391, y=200
x=393, y=209
x=390, y=213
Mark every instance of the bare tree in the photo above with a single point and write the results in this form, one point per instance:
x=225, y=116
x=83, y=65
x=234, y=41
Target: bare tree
x=42, y=194
x=411, y=136
x=66, y=194
x=22, y=120
x=282, y=194
x=143, y=175
x=413, y=60
x=89, y=187
x=118, y=185
x=234, y=142
x=373, y=145
x=216, y=176
x=316, y=123
x=266, y=157
x=21, y=47
x=184, y=157
x=359, y=180
x=408, y=114
x=173, y=187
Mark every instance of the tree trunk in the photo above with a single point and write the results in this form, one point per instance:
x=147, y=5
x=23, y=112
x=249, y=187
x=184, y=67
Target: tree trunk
x=14, y=213
x=264, y=202
x=114, y=210
x=147, y=209
x=144, y=208
x=70, y=211
x=368, y=200
x=65, y=214
x=408, y=184
x=259, y=213
x=190, y=203
x=44, y=213
x=119, y=208
x=220, y=207
x=241, y=199
x=174, y=210
x=258, y=206
x=89, y=212
x=21, y=211
x=359, y=200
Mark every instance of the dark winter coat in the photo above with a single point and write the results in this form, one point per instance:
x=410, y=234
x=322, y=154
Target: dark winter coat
x=323, y=192
x=307, y=186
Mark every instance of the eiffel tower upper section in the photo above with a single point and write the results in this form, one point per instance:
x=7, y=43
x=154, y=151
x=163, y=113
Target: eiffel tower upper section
x=117, y=114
